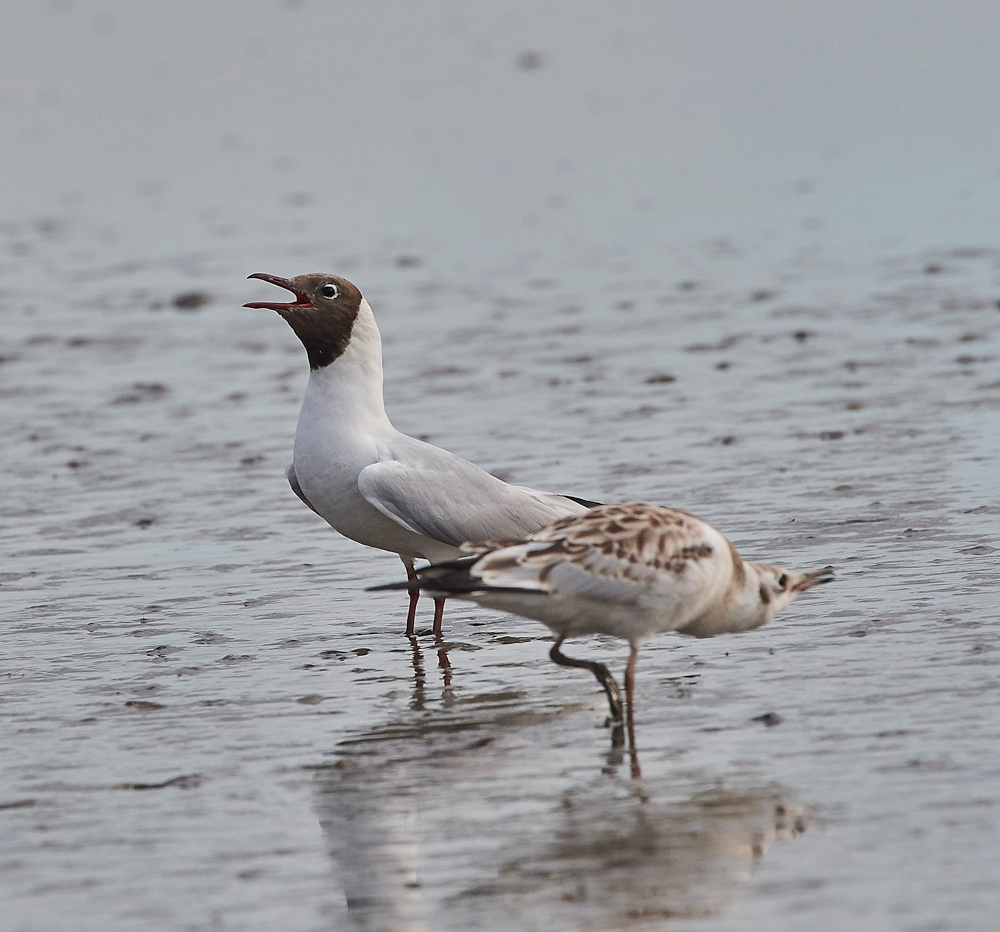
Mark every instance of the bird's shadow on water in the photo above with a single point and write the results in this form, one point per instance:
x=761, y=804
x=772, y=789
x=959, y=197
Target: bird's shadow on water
x=487, y=813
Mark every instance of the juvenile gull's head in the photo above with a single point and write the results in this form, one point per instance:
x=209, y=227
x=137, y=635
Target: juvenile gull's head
x=780, y=587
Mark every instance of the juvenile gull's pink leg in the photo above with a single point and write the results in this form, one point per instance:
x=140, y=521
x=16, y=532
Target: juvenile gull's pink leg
x=629, y=708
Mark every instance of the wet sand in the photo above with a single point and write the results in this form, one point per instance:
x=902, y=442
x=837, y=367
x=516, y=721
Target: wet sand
x=209, y=724
x=741, y=264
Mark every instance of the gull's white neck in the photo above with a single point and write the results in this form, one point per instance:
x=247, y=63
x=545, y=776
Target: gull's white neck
x=349, y=389
x=745, y=610
x=737, y=608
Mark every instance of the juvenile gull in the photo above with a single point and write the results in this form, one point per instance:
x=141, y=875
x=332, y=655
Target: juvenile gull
x=630, y=571
x=367, y=480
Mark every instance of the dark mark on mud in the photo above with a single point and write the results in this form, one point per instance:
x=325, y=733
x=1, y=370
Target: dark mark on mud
x=144, y=705
x=191, y=300
x=141, y=391
x=186, y=781
x=18, y=804
x=769, y=719
x=530, y=61
x=723, y=344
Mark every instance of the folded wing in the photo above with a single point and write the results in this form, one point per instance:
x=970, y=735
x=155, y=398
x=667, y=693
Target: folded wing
x=622, y=554
x=446, y=498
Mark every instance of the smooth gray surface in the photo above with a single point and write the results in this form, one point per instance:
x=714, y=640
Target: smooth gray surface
x=836, y=400
x=175, y=124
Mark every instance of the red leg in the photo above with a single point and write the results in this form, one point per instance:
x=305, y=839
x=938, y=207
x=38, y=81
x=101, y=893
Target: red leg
x=414, y=598
x=438, y=616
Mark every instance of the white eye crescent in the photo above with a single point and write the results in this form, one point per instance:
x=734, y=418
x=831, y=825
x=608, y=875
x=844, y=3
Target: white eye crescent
x=329, y=290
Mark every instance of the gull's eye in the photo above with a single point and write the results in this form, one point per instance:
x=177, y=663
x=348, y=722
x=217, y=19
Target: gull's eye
x=782, y=581
x=329, y=290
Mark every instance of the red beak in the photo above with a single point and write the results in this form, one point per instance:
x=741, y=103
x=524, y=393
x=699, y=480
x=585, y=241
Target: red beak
x=300, y=299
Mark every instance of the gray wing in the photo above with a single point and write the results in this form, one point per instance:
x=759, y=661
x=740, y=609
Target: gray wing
x=441, y=496
x=296, y=488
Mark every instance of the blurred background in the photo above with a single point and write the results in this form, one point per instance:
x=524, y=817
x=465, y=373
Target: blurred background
x=484, y=131
x=739, y=258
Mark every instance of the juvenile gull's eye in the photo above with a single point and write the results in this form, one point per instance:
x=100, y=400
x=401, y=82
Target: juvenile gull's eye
x=329, y=291
x=782, y=581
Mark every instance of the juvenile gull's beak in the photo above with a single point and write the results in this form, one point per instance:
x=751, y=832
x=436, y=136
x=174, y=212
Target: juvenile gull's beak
x=815, y=578
x=300, y=299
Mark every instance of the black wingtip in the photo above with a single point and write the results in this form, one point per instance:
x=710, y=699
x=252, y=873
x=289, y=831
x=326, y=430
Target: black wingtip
x=586, y=502
x=408, y=584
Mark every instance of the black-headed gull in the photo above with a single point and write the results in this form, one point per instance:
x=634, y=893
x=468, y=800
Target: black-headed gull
x=630, y=571
x=366, y=479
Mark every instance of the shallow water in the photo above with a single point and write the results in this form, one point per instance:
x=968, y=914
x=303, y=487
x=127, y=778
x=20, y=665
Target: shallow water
x=210, y=724
x=206, y=721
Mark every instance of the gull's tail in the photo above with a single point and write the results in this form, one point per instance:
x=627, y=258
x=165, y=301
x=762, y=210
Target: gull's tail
x=452, y=578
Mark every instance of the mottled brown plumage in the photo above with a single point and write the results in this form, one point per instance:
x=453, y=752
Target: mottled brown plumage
x=627, y=570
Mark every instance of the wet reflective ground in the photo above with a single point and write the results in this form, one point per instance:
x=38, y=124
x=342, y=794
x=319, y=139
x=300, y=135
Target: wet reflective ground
x=208, y=724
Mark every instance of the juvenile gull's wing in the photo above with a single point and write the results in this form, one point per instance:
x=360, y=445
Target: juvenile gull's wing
x=617, y=553
x=441, y=496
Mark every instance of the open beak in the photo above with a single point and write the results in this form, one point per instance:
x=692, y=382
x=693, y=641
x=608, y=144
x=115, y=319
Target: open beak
x=815, y=578
x=301, y=301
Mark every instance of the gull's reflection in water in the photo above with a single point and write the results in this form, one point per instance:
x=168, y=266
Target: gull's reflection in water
x=489, y=816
